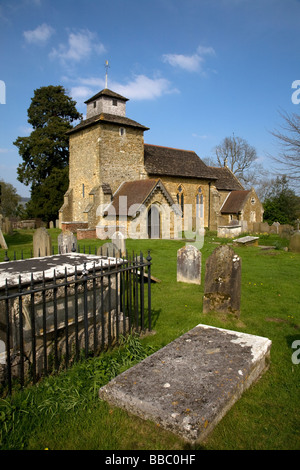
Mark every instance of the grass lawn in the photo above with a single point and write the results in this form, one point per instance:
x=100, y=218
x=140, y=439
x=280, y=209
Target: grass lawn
x=64, y=412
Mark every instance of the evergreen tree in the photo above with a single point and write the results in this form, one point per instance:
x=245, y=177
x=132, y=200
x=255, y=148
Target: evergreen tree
x=281, y=203
x=45, y=152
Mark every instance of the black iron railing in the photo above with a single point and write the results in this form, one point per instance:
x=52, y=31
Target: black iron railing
x=48, y=324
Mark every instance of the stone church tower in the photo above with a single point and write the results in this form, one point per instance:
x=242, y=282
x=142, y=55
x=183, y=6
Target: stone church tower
x=105, y=149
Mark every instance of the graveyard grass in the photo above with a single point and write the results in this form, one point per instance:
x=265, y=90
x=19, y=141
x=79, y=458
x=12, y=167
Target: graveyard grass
x=64, y=412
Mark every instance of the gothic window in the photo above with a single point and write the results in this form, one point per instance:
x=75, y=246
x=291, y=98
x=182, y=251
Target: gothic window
x=199, y=203
x=121, y=131
x=180, y=198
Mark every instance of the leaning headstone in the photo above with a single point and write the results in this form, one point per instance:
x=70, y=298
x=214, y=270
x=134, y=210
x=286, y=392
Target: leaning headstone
x=118, y=239
x=189, y=265
x=2, y=241
x=222, y=290
x=67, y=242
x=42, y=245
x=108, y=249
x=295, y=243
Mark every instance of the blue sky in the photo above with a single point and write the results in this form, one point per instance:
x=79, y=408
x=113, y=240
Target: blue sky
x=195, y=71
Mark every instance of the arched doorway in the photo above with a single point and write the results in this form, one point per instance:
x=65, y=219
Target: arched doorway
x=153, y=222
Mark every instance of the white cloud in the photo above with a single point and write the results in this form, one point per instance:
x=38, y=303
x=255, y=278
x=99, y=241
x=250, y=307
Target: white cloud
x=140, y=88
x=145, y=88
x=80, y=45
x=39, y=35
x=191, y=63
x=81, y=93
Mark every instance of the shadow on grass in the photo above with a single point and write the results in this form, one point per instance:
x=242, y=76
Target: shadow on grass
x=18, y=238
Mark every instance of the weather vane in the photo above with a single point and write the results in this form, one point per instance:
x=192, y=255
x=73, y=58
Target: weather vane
x=106, y=67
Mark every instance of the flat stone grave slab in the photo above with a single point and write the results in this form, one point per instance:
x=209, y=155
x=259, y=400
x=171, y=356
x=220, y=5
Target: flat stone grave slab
x=11, y=270
x=190, y=384
x=245, y=241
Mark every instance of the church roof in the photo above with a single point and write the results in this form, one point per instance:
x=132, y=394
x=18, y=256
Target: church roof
x=137, y=193
x=166, y=161
x=107, y=92
x=107, y=118
x=234, y=203
x=226, y=180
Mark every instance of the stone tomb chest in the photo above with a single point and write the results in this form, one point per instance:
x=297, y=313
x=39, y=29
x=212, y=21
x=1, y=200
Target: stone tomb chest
x=97, y=296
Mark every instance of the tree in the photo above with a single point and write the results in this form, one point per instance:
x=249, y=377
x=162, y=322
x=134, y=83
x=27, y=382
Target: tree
x=9, y=200
x=281, y=203
x=240, y=157
x=46, y=198
x=288, y=158
x=50, y=113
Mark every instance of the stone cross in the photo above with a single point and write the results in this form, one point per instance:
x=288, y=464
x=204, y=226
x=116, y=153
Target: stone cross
x=189, y=265
x=42, y=245
x=222, y=290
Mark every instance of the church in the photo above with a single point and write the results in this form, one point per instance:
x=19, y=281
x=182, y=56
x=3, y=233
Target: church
x=117, y=182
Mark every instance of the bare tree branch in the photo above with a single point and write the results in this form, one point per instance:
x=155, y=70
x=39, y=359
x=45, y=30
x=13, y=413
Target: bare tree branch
x=288, y=159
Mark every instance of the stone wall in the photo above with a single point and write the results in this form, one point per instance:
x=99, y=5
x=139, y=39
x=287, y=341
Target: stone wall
x=190, y=189
x=88, y=233
x=84, y=168
x=121, y=157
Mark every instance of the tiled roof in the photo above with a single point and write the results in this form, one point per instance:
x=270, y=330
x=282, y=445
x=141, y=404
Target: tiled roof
x=226, y=179
x=104, y=118
x=107, y=92
x=234, y=202
x=166, y=161
x=136, y=193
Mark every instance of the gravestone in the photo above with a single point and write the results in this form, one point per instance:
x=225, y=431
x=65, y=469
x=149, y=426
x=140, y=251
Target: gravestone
x=42, y=245
x=222, y=290
x=2, y=241
x=7, y=226
x=108, y=249
x=118, y=240
x=67, y=242
x=189, y=265
x=295, y=243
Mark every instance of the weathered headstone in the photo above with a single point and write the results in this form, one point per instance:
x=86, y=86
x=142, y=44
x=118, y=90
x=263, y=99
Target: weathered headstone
x=67, y=242
x=2, y=241
x=108, y=249
x=51, y=225
x=222, y=290
x=7, y=226
x=42, y=245
x=118, y=239
x=276, y=226
x=295, y=243
x=189, y=265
